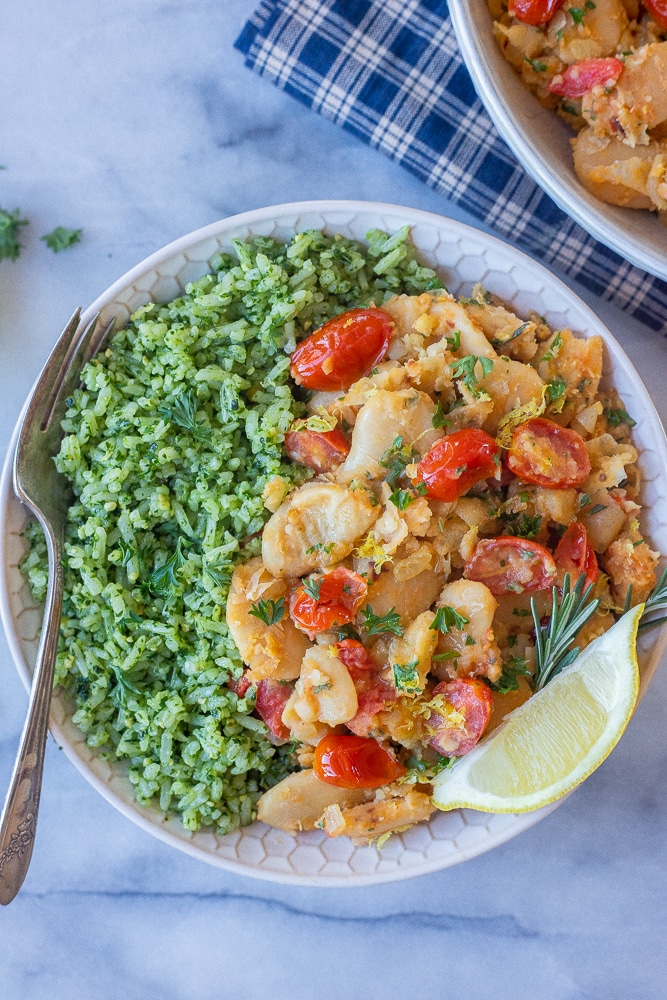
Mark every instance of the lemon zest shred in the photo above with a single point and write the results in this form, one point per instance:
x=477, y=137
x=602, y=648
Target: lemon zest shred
x=371, y=549
x=519, y=415
x=321, y=420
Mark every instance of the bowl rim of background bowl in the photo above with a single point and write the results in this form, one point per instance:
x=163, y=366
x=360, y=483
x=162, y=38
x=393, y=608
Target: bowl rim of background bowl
x=146, y=817
x=506, y=100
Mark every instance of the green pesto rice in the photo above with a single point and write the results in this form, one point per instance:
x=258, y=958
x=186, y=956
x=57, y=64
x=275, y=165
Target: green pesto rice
x=168, y=445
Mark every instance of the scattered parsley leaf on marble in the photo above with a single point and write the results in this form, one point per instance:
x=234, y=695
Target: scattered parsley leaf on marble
x=10, y=223
x=61, y=238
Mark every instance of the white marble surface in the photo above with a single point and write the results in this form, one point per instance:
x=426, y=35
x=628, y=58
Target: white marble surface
x=138, y=122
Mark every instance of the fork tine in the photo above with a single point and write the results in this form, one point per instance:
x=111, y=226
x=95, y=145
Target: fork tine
x=45, y=388
x=99, y=341
x=63, y=370
x=87, y=345
x=49, y=372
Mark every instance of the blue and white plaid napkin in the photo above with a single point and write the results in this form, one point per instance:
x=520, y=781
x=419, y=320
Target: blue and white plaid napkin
x=390, y=72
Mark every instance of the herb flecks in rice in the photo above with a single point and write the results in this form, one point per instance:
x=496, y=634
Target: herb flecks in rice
x=168, y=445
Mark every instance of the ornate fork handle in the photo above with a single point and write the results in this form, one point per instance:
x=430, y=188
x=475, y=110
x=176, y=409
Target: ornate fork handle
x=41, y=488
x=19, y=817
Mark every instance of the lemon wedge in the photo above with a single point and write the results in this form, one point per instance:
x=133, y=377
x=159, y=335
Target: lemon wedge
x=548, y=745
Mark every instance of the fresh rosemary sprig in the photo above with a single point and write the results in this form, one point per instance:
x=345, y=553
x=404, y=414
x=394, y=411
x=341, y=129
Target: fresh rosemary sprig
x=656, y=601
x=570, y=613
x=553, y=641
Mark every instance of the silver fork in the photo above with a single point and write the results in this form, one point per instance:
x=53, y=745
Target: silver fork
x=45, y=492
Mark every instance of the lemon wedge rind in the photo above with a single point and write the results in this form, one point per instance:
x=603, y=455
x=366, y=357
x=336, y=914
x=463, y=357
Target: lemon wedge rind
x=557, y=738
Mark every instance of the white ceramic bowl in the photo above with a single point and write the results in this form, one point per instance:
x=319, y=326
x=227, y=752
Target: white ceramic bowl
x=541, y=142
x=463, y=256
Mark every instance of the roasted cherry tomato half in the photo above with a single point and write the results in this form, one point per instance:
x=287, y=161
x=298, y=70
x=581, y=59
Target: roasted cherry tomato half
x=456, y=462
x=574, y=555
x=272, y=696
x=581, y=77
x=321, y=602
x=455, y=733
x=546, y=454
x=534, y=12
x=321, y=451
x=342, y=350
x=510, y=565
x=658, y=11
x=355, y=762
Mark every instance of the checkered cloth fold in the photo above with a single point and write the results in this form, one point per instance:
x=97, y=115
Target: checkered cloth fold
x=390, y=72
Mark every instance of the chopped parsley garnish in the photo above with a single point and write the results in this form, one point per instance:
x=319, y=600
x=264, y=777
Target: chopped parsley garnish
x=313, y=587
x=598, y=507
x=446, y=618
x=163, y=582
x=425, y=771
x=554, y=348
x=319, y=547
x=555, y=388
x=183, y=413
x=616, y=417
x=379, y=624
x=524, y=526
x=464, y=369
x=454, y=341
x=346, y=632
x=438, y=419
x=537, y=65
x=270, y=612
x=61, y=238
x=402, y=498
x=395, y=459
x=126, y=551
x=508, y=680
x=10, y=224
x=578, y=13
x=406, y=676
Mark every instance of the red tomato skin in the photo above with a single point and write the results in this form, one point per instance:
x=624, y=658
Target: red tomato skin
x=321, y=451
x=658, y=11
x=342, y=592
x=342, y=350
x=240, y=685
x=534, y=12
x=355, y=762
x=456, y=462
x=511, y=565
x=546, y=454
x=272, y=696
x=473, y=699
x=575, y=555
x=581, y=77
